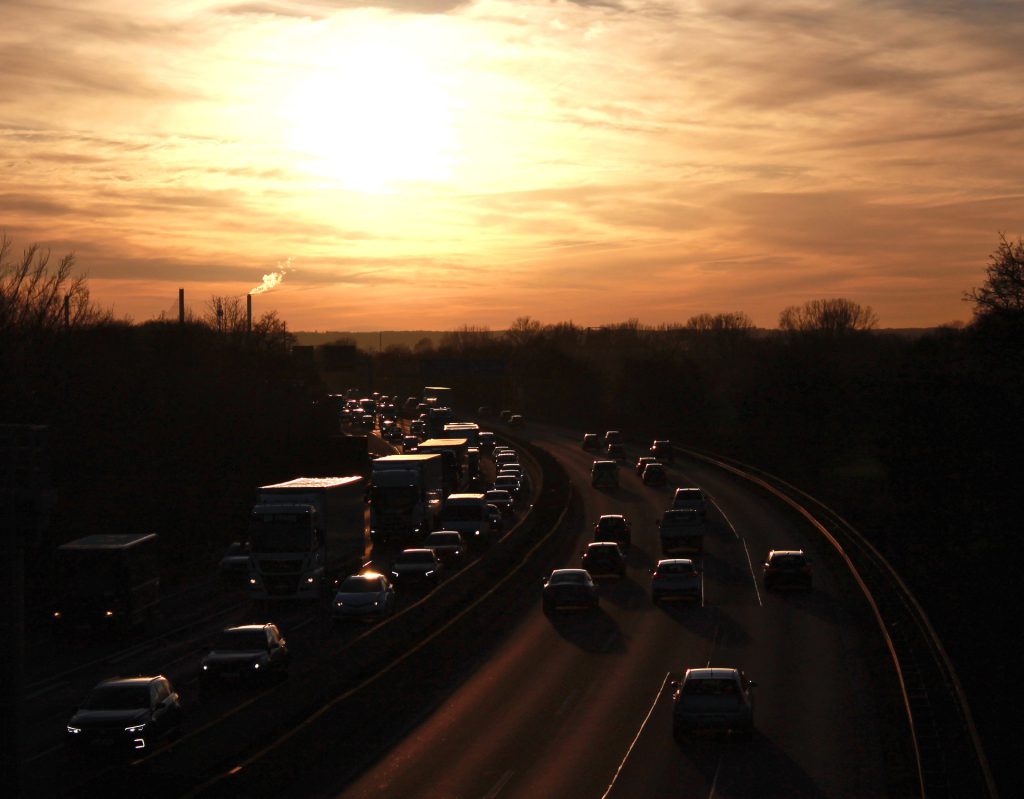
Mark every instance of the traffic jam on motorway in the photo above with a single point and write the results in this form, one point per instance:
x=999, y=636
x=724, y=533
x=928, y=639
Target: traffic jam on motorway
x=361, y=545
x=366, y=544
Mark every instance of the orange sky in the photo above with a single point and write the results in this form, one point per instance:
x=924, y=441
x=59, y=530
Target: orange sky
x=425, y=164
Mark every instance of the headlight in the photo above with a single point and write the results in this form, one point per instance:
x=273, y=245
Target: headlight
x=136, y=729
x=109, y=614
x=256, y=665
x=429, y=573
x=376, y=603
x=74, y=730
x=252, y=581
x=206, y=667
x=309, y=580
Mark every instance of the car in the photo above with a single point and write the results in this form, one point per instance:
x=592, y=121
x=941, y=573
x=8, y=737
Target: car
x=654, y=474
x=661, y=448
x=514, y=469
x=676, y=577
x=234, y=565
x=713, y=699
x=409, y=444
x=246, y=652
x=505, y=455
x=124, y=716
x=612, y=437
x=485, y=440
x=501, y=499
x=448, y=546
x=603, y=558
x=367, y=595
x=484, y=410
x=641, y=462
x=690, y=498
x=418, y=427
x=516, y=420
x=508, y=482
x=569, y=588
x=787, y=568
x=681, y=531
x=590, y=442
x=416, y=567
x=604, y=474
x=616, y=451
x=505, y=414
x=614, y=527
x=496, y=520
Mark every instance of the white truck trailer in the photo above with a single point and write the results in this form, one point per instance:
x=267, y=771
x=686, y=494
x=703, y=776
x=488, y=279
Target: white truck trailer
x=303, y=532
x=405, y=496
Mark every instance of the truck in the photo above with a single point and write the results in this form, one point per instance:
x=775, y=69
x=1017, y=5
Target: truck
x=350, y=455
x=682, y=532
x=405, y=496
x=468, y=430
x=453, y=454
x=108, y=581
x=303, y=532
x=437, y=418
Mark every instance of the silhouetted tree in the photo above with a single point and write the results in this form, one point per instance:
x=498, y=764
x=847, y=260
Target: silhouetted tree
x=1002, y=296
x=836, y=315
x=735, y=322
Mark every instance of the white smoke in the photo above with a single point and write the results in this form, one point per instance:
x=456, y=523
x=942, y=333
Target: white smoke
x=273, y=280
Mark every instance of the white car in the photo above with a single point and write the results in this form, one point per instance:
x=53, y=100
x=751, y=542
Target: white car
x=367, y=595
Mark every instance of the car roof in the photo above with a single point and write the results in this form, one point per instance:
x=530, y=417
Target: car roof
x=245, y=627
x=611, y=516
x=131, y=680
x=570, y=571
x=712, y=673
x=602, y=545
x=798, y=552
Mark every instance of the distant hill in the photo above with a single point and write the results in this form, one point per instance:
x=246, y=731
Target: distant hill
x=371, y=342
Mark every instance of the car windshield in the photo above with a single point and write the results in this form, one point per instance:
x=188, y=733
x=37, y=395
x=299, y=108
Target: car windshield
x=416, y=557
x=675, y=568
x=241, y=640
x=680, y=518
x=725, y=687
x=611, y=525
x=568, y=578
x=788, y=561
x=460, y=513
x=498, y=496
x=358, y=584
x=506, y=480
x=117, y=697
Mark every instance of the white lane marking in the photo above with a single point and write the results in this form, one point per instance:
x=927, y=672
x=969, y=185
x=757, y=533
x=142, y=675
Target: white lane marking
x=636, y=738
x=753, y=576
x=501, y=783
x=128, y=653
x=719, y=509
x=568, y=702
x=714, y=782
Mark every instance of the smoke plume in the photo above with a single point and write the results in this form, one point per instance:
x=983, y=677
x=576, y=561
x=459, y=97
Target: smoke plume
x=273, y=280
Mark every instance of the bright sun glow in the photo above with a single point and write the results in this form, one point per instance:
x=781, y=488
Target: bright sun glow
x=372, y=118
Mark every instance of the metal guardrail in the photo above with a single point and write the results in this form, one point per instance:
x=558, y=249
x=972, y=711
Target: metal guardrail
x=951, y=763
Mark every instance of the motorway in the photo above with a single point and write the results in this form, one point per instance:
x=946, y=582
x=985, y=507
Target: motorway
x=577, y=705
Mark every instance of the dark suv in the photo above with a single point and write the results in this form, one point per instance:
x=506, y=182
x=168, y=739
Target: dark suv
x=614, y=527
x=124, y=717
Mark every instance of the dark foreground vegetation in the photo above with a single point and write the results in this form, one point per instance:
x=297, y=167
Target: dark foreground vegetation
x=168, y=427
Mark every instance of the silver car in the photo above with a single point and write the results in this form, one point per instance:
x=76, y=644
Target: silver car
x=714, y=700
x=364, y=596
x=676, y=577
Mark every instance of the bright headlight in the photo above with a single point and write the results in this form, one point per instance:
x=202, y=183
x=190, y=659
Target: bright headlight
x=74, y=730
x=136, y=729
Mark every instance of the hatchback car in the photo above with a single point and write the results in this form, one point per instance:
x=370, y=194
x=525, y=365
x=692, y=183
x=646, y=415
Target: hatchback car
x=367, y=595
x=641, y=462
x=654, y=474
x=690, y=498
x=787, y=568
x=448, y=546
x=124, y=717
x=569, y=588
x=246, y=652
x=614, y=527
x=501, y=499
x=661, y=448
x=603, y=559
x=590, y=442
x=713, y=699
x=416, y=567
x=676, y=578
x=508, y=482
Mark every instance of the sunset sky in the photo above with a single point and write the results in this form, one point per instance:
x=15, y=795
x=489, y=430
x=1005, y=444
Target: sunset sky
x=432, y=163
